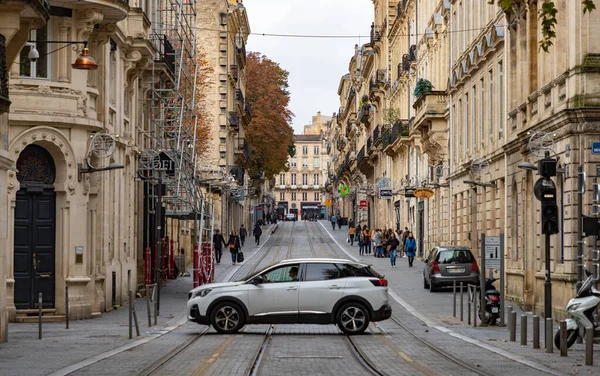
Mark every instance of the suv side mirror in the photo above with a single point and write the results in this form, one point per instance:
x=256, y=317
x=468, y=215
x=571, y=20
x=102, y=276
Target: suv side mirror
x=257, y=280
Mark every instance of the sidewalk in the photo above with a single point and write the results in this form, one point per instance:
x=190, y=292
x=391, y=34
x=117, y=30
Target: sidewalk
x=25, y=354
x=435, y=310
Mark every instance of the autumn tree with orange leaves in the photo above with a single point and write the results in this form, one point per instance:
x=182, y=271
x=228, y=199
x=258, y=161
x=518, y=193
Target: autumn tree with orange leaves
x=269, y=133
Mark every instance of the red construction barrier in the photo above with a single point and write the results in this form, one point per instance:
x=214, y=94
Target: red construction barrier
x=147, y=265
x=207, y=270
x=195, y=266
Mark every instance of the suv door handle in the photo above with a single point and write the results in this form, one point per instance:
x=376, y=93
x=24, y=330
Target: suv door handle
x=292, y=288
x=335, y=287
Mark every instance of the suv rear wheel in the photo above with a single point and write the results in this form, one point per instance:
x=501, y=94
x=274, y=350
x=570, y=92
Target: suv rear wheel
x=353, y=318
x=227, y=318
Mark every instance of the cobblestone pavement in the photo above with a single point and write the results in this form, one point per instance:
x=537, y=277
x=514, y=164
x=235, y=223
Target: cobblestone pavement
x=102, y=347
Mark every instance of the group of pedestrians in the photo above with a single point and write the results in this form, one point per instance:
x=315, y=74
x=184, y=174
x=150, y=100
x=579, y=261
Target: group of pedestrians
x=234, y=243
x=383, y=242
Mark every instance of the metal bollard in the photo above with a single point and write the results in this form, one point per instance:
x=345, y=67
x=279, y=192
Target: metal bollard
x=536, y=332
x=563, y=338
x=454, y=299
x=475, y=310
x=513, y=326
x=524, y=330
x=67, y=305
x=469, y=306
x=589, y=346
x=461, y=302
x=148, y=306
x=549, y=344
x=130, y=314
x=40, y=313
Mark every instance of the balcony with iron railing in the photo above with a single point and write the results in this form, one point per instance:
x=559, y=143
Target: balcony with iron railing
x=369, y=145
x=365, y=112
x=247, y=113
x=386, y=136
x=377, y=135
x=4, y=101
x=239, y=96
x=361, y=156
x=234, y=120
x=112, y=10
x=430, y=106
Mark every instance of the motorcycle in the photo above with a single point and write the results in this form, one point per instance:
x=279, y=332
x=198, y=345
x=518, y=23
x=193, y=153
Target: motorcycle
x=580, y=312
x=492, y=303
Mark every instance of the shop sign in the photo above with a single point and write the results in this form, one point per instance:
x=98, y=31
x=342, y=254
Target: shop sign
x=344, y=190
x=327, y=202
x=362, y=204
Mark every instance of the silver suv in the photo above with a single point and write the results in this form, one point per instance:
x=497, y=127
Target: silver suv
x=300, y=291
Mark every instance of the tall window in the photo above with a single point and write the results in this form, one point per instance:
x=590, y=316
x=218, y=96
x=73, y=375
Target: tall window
x=481, y=102
x=293, y=196
x=453, y=130
x=304, y=162
x=293, y=162
x=474, y=119
x=41, y=67
x=304, y=196
x=316, y=150
x=293, y=179
x=316, y=162
x=491, y=105
x=317, y=198
x=467, y=147
x=304, y=179
x=316, y=179
x=305, y=150
x=459, y=125
x=500, y=102
x=281, y=179
x=281, y=196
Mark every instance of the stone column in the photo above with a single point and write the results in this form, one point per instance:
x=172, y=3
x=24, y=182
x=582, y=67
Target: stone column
x=63, y=55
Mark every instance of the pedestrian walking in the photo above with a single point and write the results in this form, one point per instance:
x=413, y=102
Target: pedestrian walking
x=351, y=232
x=392, y=247
x=339, y=222
x=333, y=220
x=243, y=234
x=398, y=236
x=377, y=239
x=257, y=233
x=410, y=248
x=367, y=239
x=234, y=246
x=218, y=242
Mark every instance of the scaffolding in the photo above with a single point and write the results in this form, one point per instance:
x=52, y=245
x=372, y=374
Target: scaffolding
x=168, y=159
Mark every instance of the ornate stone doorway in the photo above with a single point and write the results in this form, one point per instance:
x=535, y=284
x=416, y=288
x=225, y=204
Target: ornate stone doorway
x=34, y=229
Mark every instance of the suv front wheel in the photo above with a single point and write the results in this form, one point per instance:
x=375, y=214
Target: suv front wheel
x=353, y=318
x=227, y=318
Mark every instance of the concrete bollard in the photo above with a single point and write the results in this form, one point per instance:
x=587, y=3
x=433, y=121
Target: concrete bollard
x=453, y=298
x=524, y=330
x=589, y=346
x=536, y=332
x=563, y=338
x=513, y=326
x=549, y=344
x=461, y=302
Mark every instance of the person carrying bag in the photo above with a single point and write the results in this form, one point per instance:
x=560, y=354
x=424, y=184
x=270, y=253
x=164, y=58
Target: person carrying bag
x=234, y=247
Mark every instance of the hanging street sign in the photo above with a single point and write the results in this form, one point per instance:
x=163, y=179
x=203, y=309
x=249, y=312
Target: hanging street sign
x=344, y=190
x=327, y=202
x=362, y=204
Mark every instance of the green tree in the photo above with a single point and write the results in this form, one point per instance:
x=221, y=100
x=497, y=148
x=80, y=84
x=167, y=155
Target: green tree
x=547, y=16
x=269, y=134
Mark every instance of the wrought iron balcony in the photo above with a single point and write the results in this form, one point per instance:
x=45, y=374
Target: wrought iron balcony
x=234, y=72
x=239, y=96
x=377, y=135
x=412, y=53
x=386, y=136
x=363, y=115
x=369, y=144
x=234, y=120
x=245, y=148
x=247, y=112
x=361, y=156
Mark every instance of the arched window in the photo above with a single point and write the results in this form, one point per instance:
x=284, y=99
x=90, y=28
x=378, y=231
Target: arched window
x=35, y=165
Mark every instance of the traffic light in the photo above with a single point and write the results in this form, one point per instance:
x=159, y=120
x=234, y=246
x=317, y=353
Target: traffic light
x=545, y=191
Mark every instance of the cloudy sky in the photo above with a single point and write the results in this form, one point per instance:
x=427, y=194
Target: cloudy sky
x=315, y=64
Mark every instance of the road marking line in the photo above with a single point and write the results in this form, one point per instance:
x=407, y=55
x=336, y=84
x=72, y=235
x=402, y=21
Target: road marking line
x=430, y=323
x=213, y=357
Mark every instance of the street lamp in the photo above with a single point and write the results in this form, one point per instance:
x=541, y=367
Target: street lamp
x=83, y=62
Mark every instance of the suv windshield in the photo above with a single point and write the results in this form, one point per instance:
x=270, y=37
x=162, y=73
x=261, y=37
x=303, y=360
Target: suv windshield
x=457, y=256
x=358, y=270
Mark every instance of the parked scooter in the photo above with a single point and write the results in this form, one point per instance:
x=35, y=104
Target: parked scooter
x=492, y=303
x=580, y=312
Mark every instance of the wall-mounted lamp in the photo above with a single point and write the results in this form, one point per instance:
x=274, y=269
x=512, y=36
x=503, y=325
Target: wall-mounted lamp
x=90, y=169
x=527, y=166
x=480, y=184
x=83, y=62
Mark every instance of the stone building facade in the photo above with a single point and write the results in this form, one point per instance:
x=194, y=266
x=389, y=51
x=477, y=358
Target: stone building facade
x=457, y=95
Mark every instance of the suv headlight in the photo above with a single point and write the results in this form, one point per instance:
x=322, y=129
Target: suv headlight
x=202, y=293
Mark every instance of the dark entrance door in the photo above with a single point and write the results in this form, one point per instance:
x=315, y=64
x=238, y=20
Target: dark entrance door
x=35, y=216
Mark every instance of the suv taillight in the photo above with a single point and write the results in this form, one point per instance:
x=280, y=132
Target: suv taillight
x=380, y=282
x=474, y=266
x=435, y=267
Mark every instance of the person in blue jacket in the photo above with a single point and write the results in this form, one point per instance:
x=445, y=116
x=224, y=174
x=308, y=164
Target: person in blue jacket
x=410, y=248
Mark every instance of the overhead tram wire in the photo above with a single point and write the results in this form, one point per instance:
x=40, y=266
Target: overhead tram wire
x=341, y=36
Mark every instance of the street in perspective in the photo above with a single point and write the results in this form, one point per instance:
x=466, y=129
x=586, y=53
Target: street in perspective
x=259, y=187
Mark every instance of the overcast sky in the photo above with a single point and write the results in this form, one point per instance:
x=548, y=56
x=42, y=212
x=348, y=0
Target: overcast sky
x=315, y=64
